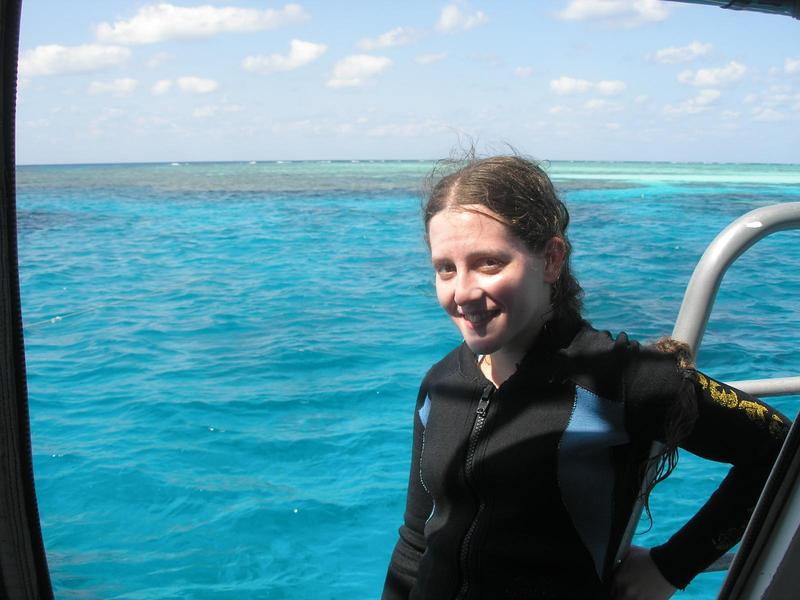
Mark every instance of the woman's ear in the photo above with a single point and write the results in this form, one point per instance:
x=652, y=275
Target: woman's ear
x=555, y=252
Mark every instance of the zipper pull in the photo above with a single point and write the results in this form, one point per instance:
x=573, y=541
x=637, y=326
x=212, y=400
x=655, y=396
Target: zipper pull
x=483, y=404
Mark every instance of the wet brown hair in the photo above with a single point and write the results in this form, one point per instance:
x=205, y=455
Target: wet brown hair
x=680, y=420
x=521, y=193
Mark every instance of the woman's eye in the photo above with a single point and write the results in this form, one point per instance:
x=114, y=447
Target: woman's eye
x=489, y=264
x=444, y=269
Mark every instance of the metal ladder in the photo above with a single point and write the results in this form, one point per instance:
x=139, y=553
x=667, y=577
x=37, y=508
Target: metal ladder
x=767, y=565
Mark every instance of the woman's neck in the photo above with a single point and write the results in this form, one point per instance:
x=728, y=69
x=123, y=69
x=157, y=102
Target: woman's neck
x=498, y=367
x=502, y=364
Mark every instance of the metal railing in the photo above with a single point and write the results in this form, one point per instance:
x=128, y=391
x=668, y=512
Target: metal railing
x=696, y=307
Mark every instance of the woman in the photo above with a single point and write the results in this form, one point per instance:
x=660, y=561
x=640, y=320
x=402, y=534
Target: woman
x=531, y=438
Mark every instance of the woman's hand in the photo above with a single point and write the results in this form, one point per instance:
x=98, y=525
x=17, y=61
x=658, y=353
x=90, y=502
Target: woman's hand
x=638, y=578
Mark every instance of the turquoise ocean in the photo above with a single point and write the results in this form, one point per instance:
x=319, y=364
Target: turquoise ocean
x=223, y=357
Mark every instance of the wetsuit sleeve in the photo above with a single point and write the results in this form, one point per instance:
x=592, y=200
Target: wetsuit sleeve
x=408, y=551
x=728, y=426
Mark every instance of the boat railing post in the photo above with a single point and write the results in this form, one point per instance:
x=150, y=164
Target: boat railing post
x=729, y=245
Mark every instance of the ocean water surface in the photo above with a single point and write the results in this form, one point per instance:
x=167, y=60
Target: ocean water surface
x=223, y=358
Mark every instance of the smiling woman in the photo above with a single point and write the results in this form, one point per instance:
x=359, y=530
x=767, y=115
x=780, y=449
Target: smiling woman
x=220, y=353
x=536, y=411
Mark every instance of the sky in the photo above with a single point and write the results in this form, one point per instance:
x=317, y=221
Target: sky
x=106, y=81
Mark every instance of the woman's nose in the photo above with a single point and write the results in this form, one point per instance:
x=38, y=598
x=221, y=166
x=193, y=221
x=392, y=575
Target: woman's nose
x=466, y=289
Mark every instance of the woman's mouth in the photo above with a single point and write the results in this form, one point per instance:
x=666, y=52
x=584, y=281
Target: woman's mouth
x=477, y=318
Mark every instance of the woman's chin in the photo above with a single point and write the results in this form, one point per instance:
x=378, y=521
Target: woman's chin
x=480, y=346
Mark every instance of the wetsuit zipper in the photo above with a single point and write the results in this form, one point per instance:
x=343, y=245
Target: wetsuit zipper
x=477, y=426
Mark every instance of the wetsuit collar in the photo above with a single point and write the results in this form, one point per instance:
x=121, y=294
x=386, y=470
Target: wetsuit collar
x=544, y=360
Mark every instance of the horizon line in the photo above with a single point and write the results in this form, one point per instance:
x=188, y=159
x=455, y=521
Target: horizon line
x=378, y=160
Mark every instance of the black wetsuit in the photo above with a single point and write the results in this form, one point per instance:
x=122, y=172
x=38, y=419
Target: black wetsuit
x=524, y=491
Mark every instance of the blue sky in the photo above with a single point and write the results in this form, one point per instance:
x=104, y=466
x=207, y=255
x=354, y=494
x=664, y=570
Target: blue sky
x=123, y=81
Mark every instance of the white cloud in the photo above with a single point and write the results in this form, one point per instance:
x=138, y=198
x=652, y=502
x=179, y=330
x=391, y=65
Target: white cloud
x=150, y=121
x=568, y=85
x=699, y=103
x=399, y=36
x=610, y=88
x=315, y=127
x=791, y=65
x=211, y=110
x=410, y=129
x=706, y=97
x=559, y=110
x=780, y=99
x=158, y=59
x=37, y=124
x=641, y=99
x=355, y=70
x=773, y=103
x=161, y=87
x=161, y=22
x=117, y=87
x=197, y=85
x=730, y=73
x=767, y=114
x=304, y=125
x=429, y=59
x=57, y=60
x=107, y=116
x=300, y=53
x=453, y=19
x=599, y=104
x=204, y=112
x=595, y=104
x=613, y=126
x=780, y=88
x=626, y=13
x=523, y=72
x=681, y=54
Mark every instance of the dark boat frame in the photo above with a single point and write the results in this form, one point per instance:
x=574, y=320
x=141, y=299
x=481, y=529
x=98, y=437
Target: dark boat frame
x=23, y=563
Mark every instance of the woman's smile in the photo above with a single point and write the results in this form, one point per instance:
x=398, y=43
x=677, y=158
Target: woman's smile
x=478, y=318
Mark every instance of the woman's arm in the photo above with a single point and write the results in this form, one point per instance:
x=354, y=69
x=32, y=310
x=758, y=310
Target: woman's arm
x=729, y=426
x=408, y=551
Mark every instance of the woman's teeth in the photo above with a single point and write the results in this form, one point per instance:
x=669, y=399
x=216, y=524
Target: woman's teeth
x=479, y=317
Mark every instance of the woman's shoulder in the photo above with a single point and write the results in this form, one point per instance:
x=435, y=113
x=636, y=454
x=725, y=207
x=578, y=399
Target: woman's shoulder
x=459, y=362
x=599, y=344
x=618, y=365
x=592, y=360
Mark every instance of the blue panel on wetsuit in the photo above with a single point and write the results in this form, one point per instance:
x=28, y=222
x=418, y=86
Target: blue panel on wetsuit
x=425, y=411
x=584, y=463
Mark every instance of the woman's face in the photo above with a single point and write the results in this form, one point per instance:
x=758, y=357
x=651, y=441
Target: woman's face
x=493, y=287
